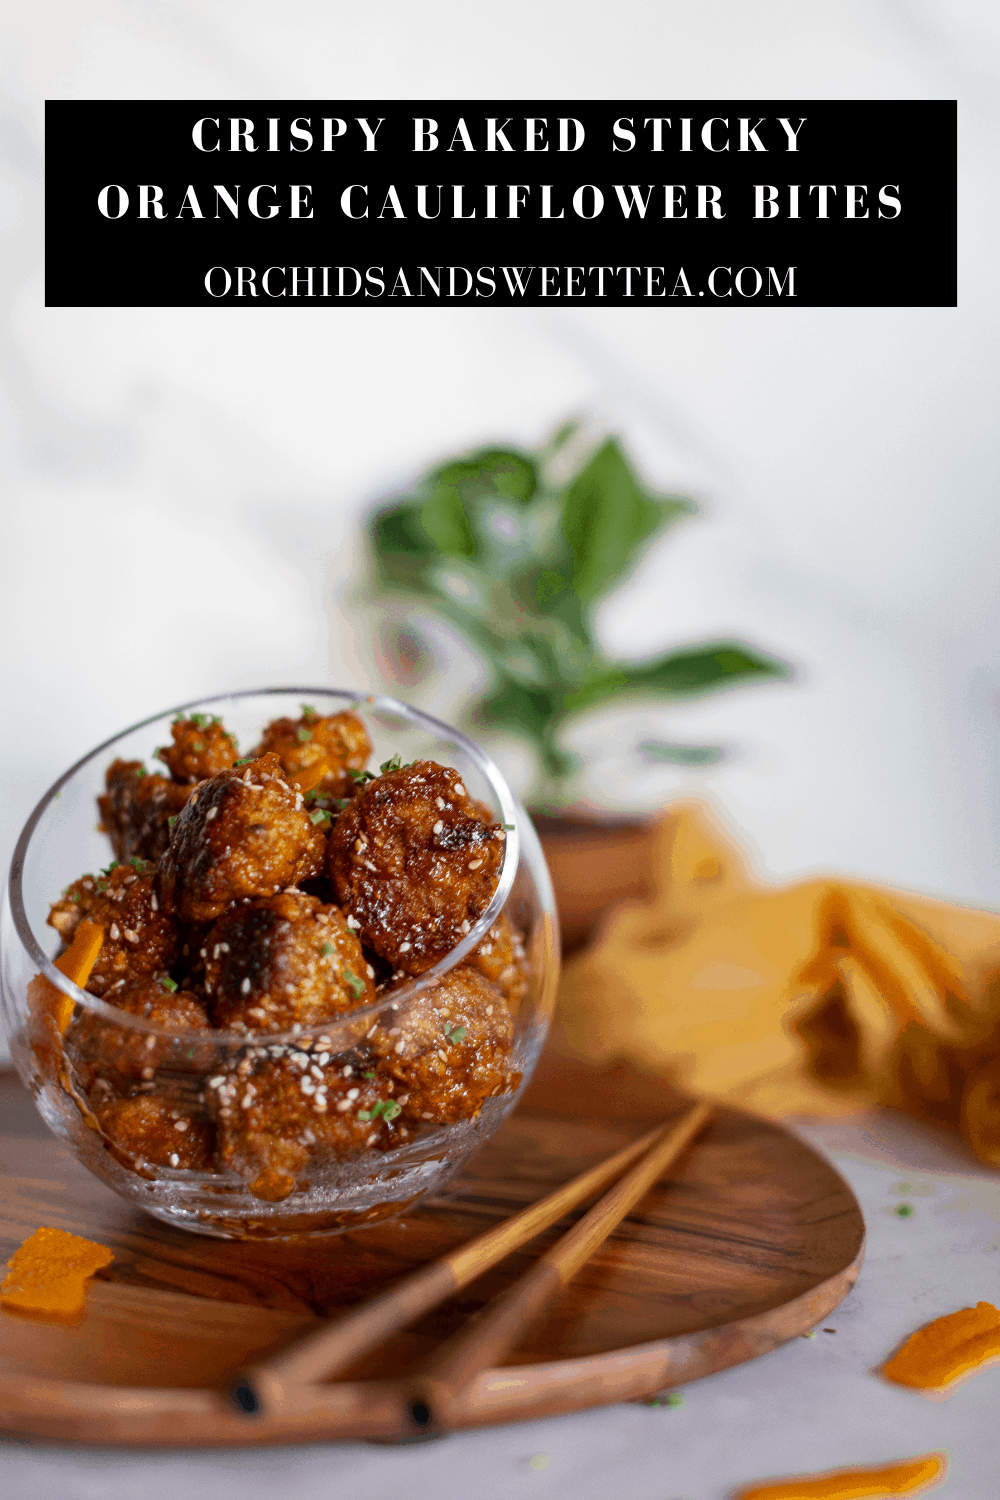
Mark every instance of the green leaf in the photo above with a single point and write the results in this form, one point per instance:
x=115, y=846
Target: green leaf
x=529, y=710
x=680, y=674
x=704, y=668
x=493, y=471
x=400, y=532
x=607, y=515
x=681, y=755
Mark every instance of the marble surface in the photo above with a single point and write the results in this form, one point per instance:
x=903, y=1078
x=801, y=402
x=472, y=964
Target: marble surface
x=811, y=1405
x=181, y=497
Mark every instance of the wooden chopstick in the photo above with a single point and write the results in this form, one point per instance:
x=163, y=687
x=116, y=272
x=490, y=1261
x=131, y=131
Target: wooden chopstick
x=486, y=1337
x=316, y=1356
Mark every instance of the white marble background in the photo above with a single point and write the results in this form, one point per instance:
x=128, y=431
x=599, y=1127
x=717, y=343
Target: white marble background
x=181, y=494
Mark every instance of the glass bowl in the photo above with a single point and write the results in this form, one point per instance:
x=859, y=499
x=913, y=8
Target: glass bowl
x=176, y=1071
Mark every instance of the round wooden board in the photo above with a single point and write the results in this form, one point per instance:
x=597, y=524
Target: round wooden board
x=753, y=1242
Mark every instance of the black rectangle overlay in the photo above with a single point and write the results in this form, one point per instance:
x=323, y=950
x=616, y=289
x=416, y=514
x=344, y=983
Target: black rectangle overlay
x=536, y=204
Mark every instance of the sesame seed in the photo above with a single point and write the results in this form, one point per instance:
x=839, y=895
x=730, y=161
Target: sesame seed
x=181, y=1124
x=395, y=1030
x=348, y=1071
x=150, y=1043
x=426, y=1115
x=439, y=801
x=353, y=1093
x=216, y=951
x=320, y=1106
x=405, y=947
x=217, y=1081
x=202, y=952
x=153, y=902
x=353, y=922
x=115, y=934
x=438, y=826
x=489, y=1010
x=343, y=1106
x=213, y=812
x=465, y=926
x=245, y=987
x=474, y=864
x=175, y=1160
x=323, y=1058
x=459, y=789
x=317, y=1073
x=400, y=1044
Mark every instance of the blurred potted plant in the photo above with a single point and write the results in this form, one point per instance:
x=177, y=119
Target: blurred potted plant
x=515, y=550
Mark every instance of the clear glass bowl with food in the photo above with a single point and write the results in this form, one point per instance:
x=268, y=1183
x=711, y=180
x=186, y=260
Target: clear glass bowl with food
x=276, y=962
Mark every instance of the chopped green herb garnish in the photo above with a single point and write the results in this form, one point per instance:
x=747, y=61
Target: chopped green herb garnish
x=75, y=896
x=458, y=1035
x=139, y=864
x=370, y=1075
x=200, y=721
x=317, y=795
x=356, y=984
x=674, y=1399
x=308, y=712
x=102, y=886
x=320, y=815
x=245, y=761
x=173, y=820
x=509, y=827
x=905, y=1211
x=387, y=1108
x=364, y=1114
x=359, y=777
x=391, y=765
x=108, y=868
x=169, y=984
x=141, y=771
x=217, y=719
x=302, y=735
x=326, y=950
x=342, y=802
x=199, y=744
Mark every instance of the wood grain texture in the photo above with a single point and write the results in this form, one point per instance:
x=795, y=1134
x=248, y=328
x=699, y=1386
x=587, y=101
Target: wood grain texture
x=753, y=1241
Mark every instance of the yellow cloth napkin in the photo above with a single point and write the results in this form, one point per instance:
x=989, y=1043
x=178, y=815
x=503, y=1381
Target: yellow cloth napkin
x=819, y=997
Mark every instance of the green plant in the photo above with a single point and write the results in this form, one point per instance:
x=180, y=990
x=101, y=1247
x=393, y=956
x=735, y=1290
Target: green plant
x=516, y=560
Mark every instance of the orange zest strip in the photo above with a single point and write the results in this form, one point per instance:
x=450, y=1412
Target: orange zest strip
x=311, y=776
x=947, y=1350
x=77, y=964
x=49, y=1273
x=853, y=1484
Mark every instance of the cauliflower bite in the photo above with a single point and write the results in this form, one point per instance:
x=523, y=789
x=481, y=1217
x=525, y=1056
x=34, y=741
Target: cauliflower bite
x=149, y=1129
x=244, y=834
x=124, y=1058
x=284, y=960
x=339, y=741
x=414, y=863
x=450, y=1050
x=501, y=959
x=277, y=1117
x=202, y=747
x=139, y=939
x=137, y=809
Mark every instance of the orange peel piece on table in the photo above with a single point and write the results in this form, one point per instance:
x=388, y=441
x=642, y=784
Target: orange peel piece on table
x=948, y=1350
x=48, y=1275
x=907, y=1477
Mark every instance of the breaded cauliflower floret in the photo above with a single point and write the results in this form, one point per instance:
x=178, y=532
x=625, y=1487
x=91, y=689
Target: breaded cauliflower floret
x=243, y=834
x=414, y=862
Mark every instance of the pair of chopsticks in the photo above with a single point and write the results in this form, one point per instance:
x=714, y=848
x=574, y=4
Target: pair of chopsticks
x=273, y=1384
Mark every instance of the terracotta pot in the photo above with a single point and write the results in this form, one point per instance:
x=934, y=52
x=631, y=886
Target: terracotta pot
x=593, y=867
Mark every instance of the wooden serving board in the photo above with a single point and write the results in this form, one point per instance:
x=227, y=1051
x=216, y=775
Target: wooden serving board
x=754, y=1241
